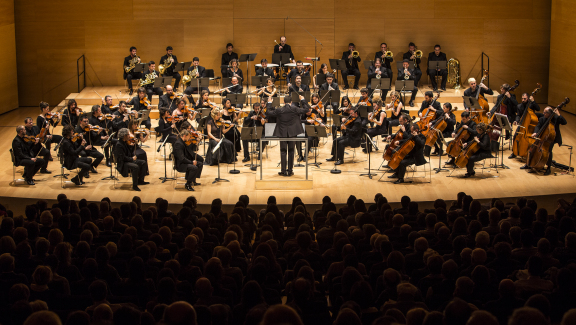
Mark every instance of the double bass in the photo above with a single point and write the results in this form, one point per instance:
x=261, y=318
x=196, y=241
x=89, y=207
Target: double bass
x=522, y=140
x=428, y=116
x=480, y=116
x=539, y=151
x=500, y=108
x=462, y=159
x=438, y=127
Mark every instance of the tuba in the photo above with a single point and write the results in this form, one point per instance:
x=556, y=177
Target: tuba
x=454, y=73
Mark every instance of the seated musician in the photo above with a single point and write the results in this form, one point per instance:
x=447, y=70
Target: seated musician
x=107, y=105
x=298, y=86
x=71, y=154
x=474, y=89
x=433, y=72
x=147, y=81
x=427, y=103
x=319, y=107
x=521, y=108
x=352, y=136
x=404, y=125
x=181, y=113
x=375, y=70
x=129, y=63
x=299, y=71
x=204, y=101
x=234, y=88
x=256, y=118
x=351, y=67
x=378, y=118
x=556, y=120
x=192, y=148
x=48, y=120
x=466, y=123
x=264, y=70
x=140, y=136
x=165, y=127
x=450, y=120
x=195, y=71
x=169, y=61
x=169, y=99
x=414, y=157
x=234, y=71
x=411, y=55
x=330, y=84
x=344, y=110
x=25, y=156
x=92, y=138
x=126, y=160
x=364, y=100
x=268, y=91
x=71, y=113
x=385, y=60
x=484, y=152
x=36, y=146
x=121, y=117
x=508, y=99
x=322, y=71
x=186, y=162
x=140, y=103
x=406, y=73
x=396, y=108
x=105, y=122
x=227, y=56
x=216, y=130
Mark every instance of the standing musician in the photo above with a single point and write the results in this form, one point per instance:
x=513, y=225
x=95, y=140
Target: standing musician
x=351, y=66
x=165, y=126
x=299, y=71
x=408, y=74
x=450, y=120
x=298, y=86
x=330, y=84
x=269, y=90
x=411, y=55
x=236, y=88
x=352, y=136
x=228, y=56
x=256, y=118
x=103, y=121
x=378, y=118
x=169, y=61
x=287, y=126
x=284, y=48
x=126, y=160
x=465, y=123
x=36, y=146
x=147, y=81
x=473, y=90
x=186, y=162
x=234, y=71
x=557, y=120
x=121, y=117
x=48, y=120
x=508, y=99
x=24, y=155
x=91, y=138
x=216, y=130
x=168, y=100
x=129, y=63
x=71, y=154
x=483, y=152
x=139, y=103
x=71, y=113
x=427, y=103
x=107, y=106
x=396, y=108
x=264, y=70
x=195, y=71
x=520, y=108
x=377, y=71
x=415, y=156
x=385, y=61
x=433, y=72
x=323, y=71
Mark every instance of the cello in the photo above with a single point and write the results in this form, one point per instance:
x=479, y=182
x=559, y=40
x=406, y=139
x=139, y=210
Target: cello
x=428, y=116
x=401, y=152
x=439, y=127
x=462, y=159
x=390, y=150
x=455, y=146
x=522, y=140
x=480, y=116
x=502, y=109
x=539, y=151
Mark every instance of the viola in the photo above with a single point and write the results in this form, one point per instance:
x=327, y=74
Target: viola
x=502, y=109
x=522, y=140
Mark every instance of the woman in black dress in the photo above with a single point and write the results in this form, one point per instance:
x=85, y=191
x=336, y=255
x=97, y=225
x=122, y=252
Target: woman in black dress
x=323, y=71
x=165, y=127
x=378, y=117
x=268, y=91
x=216, y=129
x=230, y=114
x=182, y=113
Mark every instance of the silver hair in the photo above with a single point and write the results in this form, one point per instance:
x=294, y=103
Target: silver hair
x=123, y=133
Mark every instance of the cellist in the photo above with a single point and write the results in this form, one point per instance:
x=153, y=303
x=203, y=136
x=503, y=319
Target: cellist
x=427, y=103
x=465, y=123
x=520, y=108
x=473, y=90
x=557, y=120
x=483, y=152
x=450, y=120
x=415, y=156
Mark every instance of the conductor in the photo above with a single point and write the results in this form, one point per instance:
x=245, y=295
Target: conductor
x=288, y=125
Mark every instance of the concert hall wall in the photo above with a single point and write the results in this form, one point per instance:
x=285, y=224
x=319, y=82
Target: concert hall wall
x=562, y=67
x=8, y=75
x=50, y=38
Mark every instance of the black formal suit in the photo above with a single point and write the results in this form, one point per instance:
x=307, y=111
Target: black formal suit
x=511, y=106
x=426, y=104
x=285, y=49
x=193, y=86
x=71, y=157
x=169, y=72
x=23, y=156
x=471, y=130
x=386, y=62
x=352, y=137
x=372, y=74
x=125, y=163
x=168, y=103
x=557, y=120
x=288, y=125
x=417, y=70
x=351, y=69
x=165, y=128
x=135, y=102
x=269, y=72
x=521, y=107
x=37, y=148
x=469, y=93
x=150, y=89
x=450, y=123
x=250, y=123
x=226, y=58
x=483, y=153
x=184, y=162
x=118, y=122
x=410, y=77
x=55, y=138
x=432, y=72
x=415, y=156
x=130, y=75
x=92, y=138
x=106, y=109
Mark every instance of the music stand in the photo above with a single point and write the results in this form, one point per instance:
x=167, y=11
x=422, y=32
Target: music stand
x=227, y=82
x=442, y=65
x=275, y=101
x=400, y=65
x=216, y=148
x=236, y=99
x=338, y=65
x=305, y=80
x=248, y=58
x=251, y=134
x=364, y=110
x=404, y=85
x=165, y=178
x=296, y=96
x=367, y=137
x=382, y=84
x=200, y=83
x=259, y=81
x=337, y=122
x=505, y=125
x=441, y=137
x=140, y=67
x=316, y=132
x=320, y=79
x=280, y=59
x=333, y=96
x=162, y=82
x=368, y=64
x=106, y=144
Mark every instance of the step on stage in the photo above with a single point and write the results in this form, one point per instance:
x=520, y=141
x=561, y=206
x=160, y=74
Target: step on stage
x=511, y=182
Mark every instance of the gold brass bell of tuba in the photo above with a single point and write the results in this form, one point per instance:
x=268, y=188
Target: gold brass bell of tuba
x=454, y=73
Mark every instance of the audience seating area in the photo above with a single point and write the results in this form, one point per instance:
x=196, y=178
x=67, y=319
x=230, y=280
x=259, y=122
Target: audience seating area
x=81, y=263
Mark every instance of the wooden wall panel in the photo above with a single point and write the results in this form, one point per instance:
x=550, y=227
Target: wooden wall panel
x=8, y=73
x=484, y=9
x=6, y=12
x=263, y=9
x=182, y=9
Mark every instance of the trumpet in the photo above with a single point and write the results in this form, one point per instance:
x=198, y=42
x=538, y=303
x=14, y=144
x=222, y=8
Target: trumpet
x=406, y=76
x=378, y=75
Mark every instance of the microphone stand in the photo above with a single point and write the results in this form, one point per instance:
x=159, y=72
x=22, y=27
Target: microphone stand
x=233, y=170
x=63, y=174
x=336, y=170
x=108, y=142
x=367, y=137
x=165, y=178
x=440, y=169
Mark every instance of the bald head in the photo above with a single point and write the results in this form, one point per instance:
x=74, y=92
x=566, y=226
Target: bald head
x=43, y=317
x=180, y=313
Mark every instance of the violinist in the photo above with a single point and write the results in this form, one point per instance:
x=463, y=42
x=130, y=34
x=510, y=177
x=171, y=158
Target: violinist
x=352, y=136
x=484, y=152
x=32, y=132
x=374, y=71
x=378, y=118
x=127, y=162
x=474, y=89
x=165, y=126
x=508, y=99
x=527, y=102
x=24, y=156
x=196, y=71
x=364, y=100
x=182, y=113
x=414, y=157
x=427, y=103
x=406, y=73
x=192, y=143
x=311, y=117
x=330, y=84
x=184, y=162
x=299, y=71
x=411, y=55
x=169, y=61
x=322, y=71
x=385, y=61
x=230, y=115
x=264, y=70
x=556, y=120
x=351, y=66
x=234, y=71
x=268, y=91
x=217, y=129
x=92, y=137
x=150, y=76
x=107, y=125
x=139, y=103
x=53, y=120
x=169, y=99
x=121, y=117
x=319, y=107
x=344, y=109
x=71, y=113
x=450, y=120
x=107, y=105
x=71, y=155
x=256, y=118
x=465, y=123
x=140, y=135
x=204, y=101
x=130, y=61
x=396, y=108
x=227, y=56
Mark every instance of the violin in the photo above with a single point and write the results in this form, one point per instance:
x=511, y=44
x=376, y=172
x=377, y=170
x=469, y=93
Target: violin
x=131, y=140
x=195, y=138
x=43, y=133
x=221, y=122
x=93, y=128
x=29, y=138
x=364, y=102
x=145, y=102
x=394, y=106
x=174, y=118
x=318, y=106
x=76, y=137
x=178, y=96
x=53, y=116
x=106, y=117
x=349, y=121
x=140, y=131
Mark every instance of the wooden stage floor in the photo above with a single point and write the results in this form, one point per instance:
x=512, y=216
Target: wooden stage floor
x=511, y=182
